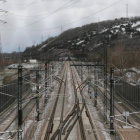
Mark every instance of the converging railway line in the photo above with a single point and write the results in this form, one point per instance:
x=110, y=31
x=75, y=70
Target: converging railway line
x=61, y=106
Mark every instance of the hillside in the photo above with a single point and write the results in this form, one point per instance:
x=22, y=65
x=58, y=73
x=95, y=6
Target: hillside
x=89, y=39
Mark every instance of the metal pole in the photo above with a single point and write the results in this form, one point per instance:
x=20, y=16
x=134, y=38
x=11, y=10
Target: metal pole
x=111, y=101
x=37, y=98
x=89, y=82
x=46, y=78
x=51, y=77
x=19, y=102
x=48, y=74
x=105, y=83
x=126, y=119
x=95, y=94
x=81, y=72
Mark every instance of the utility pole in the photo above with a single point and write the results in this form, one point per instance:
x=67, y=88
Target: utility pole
x=19, y=56
x=0, y=45
x=59, y=68
x=95, y=91
x=105, y=83
x=51, y=77
x=127, y=11
x=42, y=38
x=37, y=96
x=34, y=43
x=1, y=21
x=48, y=73
x=46, y=78
x=1, y=54
x=19, y=102
x=111, y=101
x=81, y=72
x=89, y=81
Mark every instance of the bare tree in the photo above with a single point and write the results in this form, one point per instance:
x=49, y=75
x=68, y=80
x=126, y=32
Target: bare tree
x=121, y=57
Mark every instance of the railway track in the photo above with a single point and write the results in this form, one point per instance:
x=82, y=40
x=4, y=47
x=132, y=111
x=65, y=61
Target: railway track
x=86, y=109
x=70, y=120
x=10, y=122
x=51, y=119
x=67, y=125
x=5, y=114
x=117, y=108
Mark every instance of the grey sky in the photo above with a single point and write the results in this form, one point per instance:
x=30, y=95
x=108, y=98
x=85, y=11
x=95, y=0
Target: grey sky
x=21, y=30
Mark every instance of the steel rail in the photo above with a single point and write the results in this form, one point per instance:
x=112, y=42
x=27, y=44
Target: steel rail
x=50, y=124
x=87, y=111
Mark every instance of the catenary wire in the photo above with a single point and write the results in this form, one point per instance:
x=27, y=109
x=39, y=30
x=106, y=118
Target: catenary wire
x=61, y=25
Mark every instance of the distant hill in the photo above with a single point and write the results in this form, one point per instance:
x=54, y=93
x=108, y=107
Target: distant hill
x=90, y=38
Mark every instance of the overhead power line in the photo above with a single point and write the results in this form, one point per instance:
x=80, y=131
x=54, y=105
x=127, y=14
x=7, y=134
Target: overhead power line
x=3, y=1
x=9, y=2
x=45, y=16
x=63, y=24
x=24, y=7
x=44, y=13
x=1, y=10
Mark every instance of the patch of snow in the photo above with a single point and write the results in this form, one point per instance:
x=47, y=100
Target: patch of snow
x=135, y=70
x=93, y=32
x=117, y=30
x=138, y=29
x=132, y=84
x=103, y=30
x=138, y=81
x=117, y=26
x=136, y=24
x=42, y=47
x=111, y=31
x=123, y=29
x=80, y=42
x=128, y=74
x=99, y=44
x=125, y=24
x=24, y=65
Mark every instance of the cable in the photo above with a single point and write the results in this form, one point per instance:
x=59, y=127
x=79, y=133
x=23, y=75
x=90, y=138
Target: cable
x=93, y=13
x=45, y=13
x=64, y=24
x=25, y=7
x=22, y=3
x=127, y=123
x=128, y=101
x=121, y=72
x=48, y=13
x=1, y=93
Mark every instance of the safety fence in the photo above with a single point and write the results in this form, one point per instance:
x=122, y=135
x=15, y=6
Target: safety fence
x=129, y=93
x=9, y=92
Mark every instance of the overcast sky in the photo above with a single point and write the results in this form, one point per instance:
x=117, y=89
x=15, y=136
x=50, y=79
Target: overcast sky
x=30, y=21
